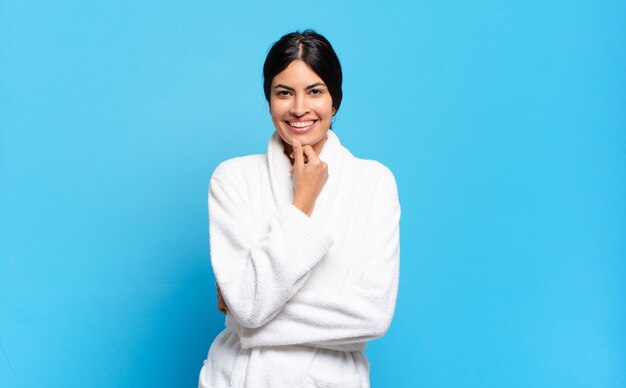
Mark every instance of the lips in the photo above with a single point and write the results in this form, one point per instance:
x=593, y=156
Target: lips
x=301, y=126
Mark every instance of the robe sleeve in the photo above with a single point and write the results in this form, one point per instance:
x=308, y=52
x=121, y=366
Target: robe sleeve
x=364, y=309
x=258, y=274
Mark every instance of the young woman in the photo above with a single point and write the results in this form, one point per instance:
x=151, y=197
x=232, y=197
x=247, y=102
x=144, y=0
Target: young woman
x=304, y=240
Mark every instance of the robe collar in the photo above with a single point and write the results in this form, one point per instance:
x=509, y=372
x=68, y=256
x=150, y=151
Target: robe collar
x=333, y=154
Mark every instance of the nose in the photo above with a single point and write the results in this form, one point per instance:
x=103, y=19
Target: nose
x=299, y=107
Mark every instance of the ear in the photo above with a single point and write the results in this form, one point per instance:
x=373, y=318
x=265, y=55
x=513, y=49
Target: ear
x=334, y=110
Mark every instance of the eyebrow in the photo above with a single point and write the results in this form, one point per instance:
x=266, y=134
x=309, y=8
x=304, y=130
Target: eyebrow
x=307, y=88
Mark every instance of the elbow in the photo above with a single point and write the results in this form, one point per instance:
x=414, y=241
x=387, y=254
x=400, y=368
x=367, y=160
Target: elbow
x=251, y=320
x=246, y=311
x=381, y=320
x=380, y=325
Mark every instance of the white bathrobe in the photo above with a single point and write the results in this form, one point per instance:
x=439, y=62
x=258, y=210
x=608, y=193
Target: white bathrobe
x=304, y=294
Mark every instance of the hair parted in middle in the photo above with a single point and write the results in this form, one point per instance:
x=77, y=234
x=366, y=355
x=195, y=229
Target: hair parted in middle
x=314, y=50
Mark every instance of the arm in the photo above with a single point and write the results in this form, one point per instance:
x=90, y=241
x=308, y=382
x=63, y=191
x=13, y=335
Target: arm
x=361, y=312
x=256, y=273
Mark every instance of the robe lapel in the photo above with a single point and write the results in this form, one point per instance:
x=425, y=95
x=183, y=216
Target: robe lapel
x=333, y=153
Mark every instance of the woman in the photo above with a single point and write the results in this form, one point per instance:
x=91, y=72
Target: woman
x=304, y=240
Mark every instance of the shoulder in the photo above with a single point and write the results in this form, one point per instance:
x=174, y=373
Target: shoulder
x=378, y=187
x=237, y=168
x=373, y=180
x=374, y=171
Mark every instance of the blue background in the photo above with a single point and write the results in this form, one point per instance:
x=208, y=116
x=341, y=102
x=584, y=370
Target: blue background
x=504, y=122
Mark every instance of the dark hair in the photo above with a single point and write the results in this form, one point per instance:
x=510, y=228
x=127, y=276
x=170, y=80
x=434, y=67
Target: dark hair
x=314, y=50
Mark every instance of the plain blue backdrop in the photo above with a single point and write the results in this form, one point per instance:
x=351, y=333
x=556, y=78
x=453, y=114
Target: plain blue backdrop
x=504, y=123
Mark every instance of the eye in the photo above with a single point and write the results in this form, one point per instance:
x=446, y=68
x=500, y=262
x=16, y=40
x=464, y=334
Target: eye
x=282, y=93
x=316, y=92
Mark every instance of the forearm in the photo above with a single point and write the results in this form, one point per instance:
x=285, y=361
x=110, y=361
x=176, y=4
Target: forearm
x=256, y=281
x=362, y=310
x=326, y=320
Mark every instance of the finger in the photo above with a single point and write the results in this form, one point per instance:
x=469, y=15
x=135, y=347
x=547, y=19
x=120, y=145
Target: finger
x=310, y=154
x=221, y=304
x=298, y=153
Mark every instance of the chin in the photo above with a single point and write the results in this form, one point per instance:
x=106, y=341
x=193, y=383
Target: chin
x=310, y=138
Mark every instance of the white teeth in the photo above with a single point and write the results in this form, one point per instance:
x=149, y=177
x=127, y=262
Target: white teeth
x=300, y=124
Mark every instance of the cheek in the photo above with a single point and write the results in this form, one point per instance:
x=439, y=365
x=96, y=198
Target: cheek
x=277, y=109
x=324, y=108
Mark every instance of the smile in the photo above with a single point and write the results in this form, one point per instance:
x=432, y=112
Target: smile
x=301, y=126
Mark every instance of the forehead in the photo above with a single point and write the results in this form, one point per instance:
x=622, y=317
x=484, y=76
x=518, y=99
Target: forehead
x=297, y=73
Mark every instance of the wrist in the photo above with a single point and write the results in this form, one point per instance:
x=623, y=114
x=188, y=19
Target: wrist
x=304, y=206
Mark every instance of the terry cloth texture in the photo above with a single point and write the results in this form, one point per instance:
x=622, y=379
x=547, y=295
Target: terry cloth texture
x=304, y=294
